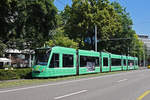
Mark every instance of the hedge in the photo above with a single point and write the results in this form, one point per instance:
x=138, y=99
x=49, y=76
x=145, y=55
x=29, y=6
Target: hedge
x=20, y=73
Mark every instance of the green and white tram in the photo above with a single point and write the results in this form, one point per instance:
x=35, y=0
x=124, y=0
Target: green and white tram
x=61, y=61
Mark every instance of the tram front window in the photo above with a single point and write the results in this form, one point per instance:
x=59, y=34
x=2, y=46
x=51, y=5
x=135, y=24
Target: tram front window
x=42, y=56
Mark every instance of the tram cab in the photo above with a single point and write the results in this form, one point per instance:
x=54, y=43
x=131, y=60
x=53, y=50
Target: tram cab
x=55, y=61
x=40, y=61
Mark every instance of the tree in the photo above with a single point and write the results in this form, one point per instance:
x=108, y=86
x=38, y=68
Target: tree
x=2, y=48
x=7, y=17
x=84, y=15
x=137, y=47
x=130, y=44
x=38, y=20
x=27, y=21
x=59, y=39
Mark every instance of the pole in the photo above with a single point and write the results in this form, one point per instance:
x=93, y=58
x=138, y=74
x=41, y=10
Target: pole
x=10, y=59
x=30, y=62
x=128, y=51
x=143, y=56
x=95, y=37
x=140, y=61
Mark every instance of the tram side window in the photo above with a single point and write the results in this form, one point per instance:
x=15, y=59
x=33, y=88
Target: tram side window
x=115, y=62
x=130, y=62
x=105, y=61
x=124, y=62
x=67, y=60
x=96, y=59
x=54, y=61
x=85, y=59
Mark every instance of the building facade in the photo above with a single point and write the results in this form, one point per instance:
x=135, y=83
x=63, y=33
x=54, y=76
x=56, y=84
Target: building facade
x=19, y=58
x=146, y=41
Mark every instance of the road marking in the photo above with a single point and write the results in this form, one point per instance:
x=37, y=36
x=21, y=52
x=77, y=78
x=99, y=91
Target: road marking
x=143, y=95
x=122, y=80
x=70, y=94
x=66, y=82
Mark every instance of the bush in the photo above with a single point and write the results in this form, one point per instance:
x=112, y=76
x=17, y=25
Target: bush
x=21, y=73
x=6, y=66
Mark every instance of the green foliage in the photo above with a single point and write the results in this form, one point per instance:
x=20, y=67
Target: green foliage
x=27, y=23
x=16, y=44
x=6, y=66
x=130, y=44
x=7, y=18
x=2, y=48
x=136, y=47
x=83, y=15
x=41, y=18
x=15, y=74
x=59, y=39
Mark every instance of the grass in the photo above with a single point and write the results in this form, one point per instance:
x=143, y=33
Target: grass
x=15, y=83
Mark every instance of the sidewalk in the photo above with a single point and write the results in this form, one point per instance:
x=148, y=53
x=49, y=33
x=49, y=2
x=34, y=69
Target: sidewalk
x=11, y=80
x=141, y=68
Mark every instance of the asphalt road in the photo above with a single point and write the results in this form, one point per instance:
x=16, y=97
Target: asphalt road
x=133, y=85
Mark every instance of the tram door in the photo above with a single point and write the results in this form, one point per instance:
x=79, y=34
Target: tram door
x=105, y=59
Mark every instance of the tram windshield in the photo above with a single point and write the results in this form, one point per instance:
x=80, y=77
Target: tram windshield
x=42, y=56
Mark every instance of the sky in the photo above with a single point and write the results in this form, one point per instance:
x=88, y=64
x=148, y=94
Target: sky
x=139, y=12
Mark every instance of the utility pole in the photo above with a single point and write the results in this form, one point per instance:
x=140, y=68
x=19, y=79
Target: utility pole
x=95, y=37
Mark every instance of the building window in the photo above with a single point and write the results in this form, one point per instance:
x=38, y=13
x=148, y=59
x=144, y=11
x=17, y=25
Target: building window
x=105, y=61
x=67, y=60
x=54, y=61
x=84, y=60
x=115, y=62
